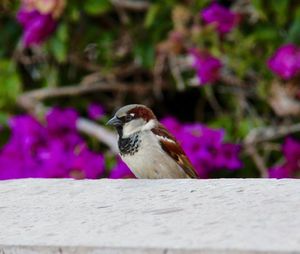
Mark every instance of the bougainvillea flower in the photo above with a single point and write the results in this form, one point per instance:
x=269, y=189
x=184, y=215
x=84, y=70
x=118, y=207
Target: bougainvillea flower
x=280, y=172
x=286, y=61
x=224, y=19
x=205, y=147
x=120, y=170
x=53, y=149
x=86, y=164
x=227, y=157
x=206, y=66
x=39, y=19
x=291, y=152
x=37, y=27
x=95, y=111
x=61, y=120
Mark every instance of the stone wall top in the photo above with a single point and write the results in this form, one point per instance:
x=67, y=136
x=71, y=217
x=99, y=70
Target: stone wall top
x=150, y=216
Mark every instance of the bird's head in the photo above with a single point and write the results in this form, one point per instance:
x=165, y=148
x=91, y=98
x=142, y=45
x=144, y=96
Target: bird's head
x=133, y=118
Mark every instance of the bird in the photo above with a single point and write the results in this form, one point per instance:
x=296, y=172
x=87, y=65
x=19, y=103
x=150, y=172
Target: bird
x=147, y=147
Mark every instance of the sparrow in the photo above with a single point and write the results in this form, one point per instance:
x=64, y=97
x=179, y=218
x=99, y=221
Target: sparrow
x=147, y=147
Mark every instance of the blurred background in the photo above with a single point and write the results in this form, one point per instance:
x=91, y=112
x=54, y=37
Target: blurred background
x=223, y=77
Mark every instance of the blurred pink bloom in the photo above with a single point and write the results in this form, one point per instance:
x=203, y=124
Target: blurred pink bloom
x=39, y=19
x=37, y=27
x=87, y=163
x=120, y=170
x=224, y=19
x=205, y=147
x=291, y=152
x=54, y=149
x=280, y=172
x=286, y=61
x=227, y=157
x=95, y=111
x=61, y=119
x=206, y=66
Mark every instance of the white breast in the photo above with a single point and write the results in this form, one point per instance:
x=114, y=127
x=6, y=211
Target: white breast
x=150, y=161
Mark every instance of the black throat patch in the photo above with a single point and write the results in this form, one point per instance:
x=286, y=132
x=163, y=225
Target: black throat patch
x=130, y=145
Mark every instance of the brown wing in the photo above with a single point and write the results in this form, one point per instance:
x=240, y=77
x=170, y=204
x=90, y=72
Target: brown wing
x=174, y=150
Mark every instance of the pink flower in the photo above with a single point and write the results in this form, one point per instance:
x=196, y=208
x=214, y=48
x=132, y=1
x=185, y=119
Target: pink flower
x=206, y=66
x=39, y=19
x=291, y=152
x=205, y=147
x=227, y=157
x=37, y=27
x=286, y=61
x=53, y=149
x=87, y=164
x=120, y=170
x=224, y=19
x=280, y=172
x=95, y=111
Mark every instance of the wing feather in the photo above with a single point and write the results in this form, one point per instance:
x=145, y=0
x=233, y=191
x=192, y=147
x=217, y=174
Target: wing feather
x=174, y=150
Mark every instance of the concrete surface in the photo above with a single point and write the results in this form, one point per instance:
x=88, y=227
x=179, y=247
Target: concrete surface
x=149, y=216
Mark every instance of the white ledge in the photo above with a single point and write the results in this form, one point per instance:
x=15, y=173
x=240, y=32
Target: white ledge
x=149, y=216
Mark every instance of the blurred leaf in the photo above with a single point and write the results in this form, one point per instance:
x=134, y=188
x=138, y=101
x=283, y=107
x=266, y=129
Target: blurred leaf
x=93, y=7
x=151, y=15
x=74, y=13
x=51, y=79
x=234, y=130
x=259, y=8
x=10, y=84
x=265, y=33
x=294, y=32
x=3, y=118
x=244, y=127
x=144, y=55
x=281, y=11
x=221, y=122
x=58, y=43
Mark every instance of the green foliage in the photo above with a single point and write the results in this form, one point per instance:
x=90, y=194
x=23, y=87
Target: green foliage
x=97, y=7
x=58, y=44
x=9, y=86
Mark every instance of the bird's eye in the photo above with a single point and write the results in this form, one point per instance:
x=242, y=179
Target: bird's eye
x=129, y=118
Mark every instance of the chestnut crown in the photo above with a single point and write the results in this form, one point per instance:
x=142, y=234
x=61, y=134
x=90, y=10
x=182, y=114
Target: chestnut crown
x=132, y=117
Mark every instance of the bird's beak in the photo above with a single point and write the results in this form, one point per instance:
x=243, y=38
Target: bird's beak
x=114, y=121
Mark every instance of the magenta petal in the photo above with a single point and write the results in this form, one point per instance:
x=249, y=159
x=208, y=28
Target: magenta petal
x=286, y=61
x=52, y=150
x=224, y=19
x=205, y=147
x=89, y=163
x=120, y=170
x=37, y=27
x=172, y=124
x=228, y=157
x=95, y=111
x=291, y=151
x=280, y=172
x=60, y=120
x=25, y=17
x=206, y=66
